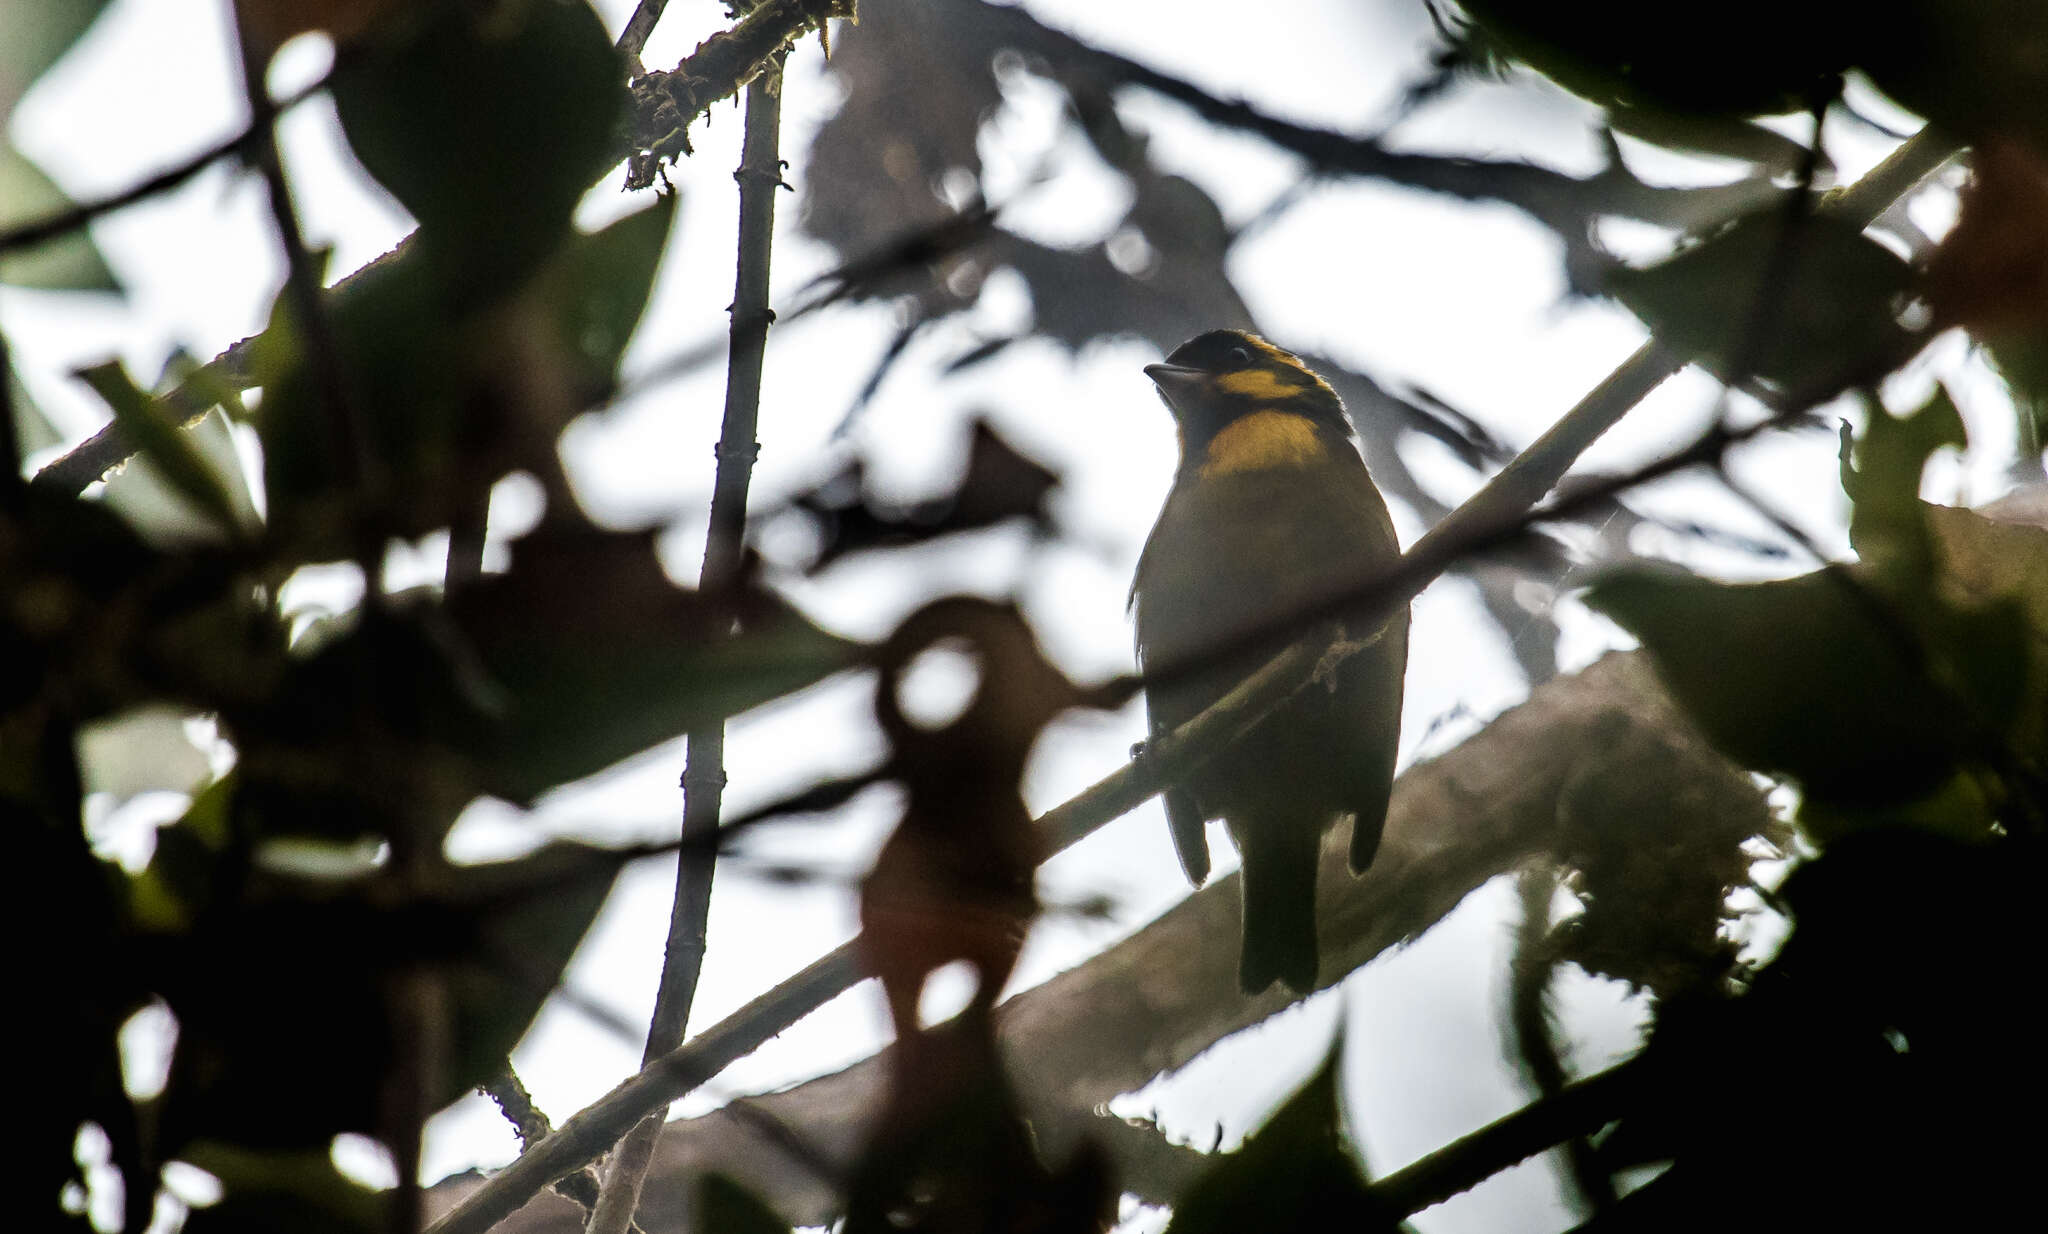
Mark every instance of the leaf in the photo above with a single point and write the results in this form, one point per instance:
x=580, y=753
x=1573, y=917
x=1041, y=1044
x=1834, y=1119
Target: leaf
x=454, y=387
x=32, y=428
x=487, y=127
x=39, y=32
x=1985, y=564
x=63, y=906
x=264, y=1191
x=289, y=998
x=425, y=382
x=1296, y=1172
x=164, y=441
x=1881, y=475
x=999, y=483
x=727, y=1207
x=69, y=262
x=595, y=290
x=1816, y=678
x=1746, y=57
x=586, y=684
x=1973, y=67
x=139, y=492
x=272, y=23
x=1810, y=316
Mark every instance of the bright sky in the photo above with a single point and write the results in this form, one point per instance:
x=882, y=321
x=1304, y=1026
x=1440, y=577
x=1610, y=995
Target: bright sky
x=1465, y=301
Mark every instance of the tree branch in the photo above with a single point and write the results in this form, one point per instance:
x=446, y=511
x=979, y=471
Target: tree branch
x=49, y=227
x=760, y=178
x=1159, y=998
x=1577, y=1110
x=633, y=39
x=665, y=104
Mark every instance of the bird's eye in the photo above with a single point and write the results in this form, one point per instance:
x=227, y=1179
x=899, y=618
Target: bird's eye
x=1240, y=358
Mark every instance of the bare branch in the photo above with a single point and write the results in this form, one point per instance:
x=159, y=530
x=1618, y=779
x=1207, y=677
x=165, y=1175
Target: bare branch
x=760, y=178
x=1157, y=999
x=633, y=39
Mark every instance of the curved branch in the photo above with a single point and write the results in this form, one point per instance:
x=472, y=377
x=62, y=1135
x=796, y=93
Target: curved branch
x=1154, y=1001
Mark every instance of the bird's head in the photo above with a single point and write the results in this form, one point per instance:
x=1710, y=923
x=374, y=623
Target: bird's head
x=1233, y=391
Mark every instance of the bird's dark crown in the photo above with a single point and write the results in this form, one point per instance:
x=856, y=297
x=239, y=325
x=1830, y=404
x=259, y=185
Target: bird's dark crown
x=1246, y=373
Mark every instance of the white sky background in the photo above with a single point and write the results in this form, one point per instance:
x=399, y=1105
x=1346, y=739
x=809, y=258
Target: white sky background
x=1465, y=301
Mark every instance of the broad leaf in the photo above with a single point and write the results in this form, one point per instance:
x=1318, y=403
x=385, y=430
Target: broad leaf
x=70, y=262
x=487, y=127
x=1820, y=678
x=1881, y=475
x=597, y=656
x=1746, y=57
x=288, y=997
x=729, y=1208
x=177, y=458
x=1809, y=314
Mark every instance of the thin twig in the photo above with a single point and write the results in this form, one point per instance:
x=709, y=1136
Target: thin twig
x=70, y=219
x=1578, y=1110
x=633, y=39
x=349, y=444
x=760, y=178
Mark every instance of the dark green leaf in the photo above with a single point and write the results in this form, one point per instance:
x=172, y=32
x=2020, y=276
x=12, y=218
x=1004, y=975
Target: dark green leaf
x=1821, y=678
x=1809, y=315
x=159, y=436
x=1888, y=525
x=1744, y=57
x=39, y=32
x=598, y=656
x=595, y=289
x=32, y=428
x=1297, y=1172
x=454, y=388
x=424, y=380
x=70, y=262
x=287, y=999
x=725, y=1206
x=1972, y=66
x=488, y=126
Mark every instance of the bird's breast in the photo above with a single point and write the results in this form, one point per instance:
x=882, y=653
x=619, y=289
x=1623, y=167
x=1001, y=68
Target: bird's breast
x=1262, y=440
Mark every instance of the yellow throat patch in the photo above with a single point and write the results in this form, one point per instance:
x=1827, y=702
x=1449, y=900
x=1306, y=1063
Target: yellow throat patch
x=1260, y=440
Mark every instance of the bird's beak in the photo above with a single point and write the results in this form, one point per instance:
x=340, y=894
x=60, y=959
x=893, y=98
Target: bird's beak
x=1176, y=380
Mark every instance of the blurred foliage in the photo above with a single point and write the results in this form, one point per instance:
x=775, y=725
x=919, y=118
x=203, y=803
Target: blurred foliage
x=1300, y=1170
x=1811, y=312
x=300, y=915
x=39, y=32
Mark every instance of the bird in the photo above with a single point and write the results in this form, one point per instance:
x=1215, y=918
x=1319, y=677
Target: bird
x=1271, y=511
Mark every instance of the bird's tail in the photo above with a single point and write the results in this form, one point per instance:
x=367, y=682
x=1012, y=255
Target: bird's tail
x=1279, y=908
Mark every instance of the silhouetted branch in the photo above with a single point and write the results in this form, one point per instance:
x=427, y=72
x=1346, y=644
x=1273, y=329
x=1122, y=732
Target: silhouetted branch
x=1579, y=1109
x=633, y=39
x=1157, y=999
x=62, y=222
x=760, y=178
